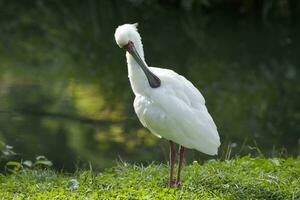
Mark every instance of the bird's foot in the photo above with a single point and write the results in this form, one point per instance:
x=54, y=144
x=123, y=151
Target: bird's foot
x=171, y=184
x=178, y=184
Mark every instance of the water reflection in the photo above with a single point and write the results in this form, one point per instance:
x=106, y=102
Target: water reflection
x=64, y=91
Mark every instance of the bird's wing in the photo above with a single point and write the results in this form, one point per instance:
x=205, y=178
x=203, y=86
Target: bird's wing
x=177, y=112
x=181, y=85
x=184, y=90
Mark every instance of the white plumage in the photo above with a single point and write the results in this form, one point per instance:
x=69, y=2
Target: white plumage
x=175, y=110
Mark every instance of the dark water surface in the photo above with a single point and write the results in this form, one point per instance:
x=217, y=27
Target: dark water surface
x=64, y=91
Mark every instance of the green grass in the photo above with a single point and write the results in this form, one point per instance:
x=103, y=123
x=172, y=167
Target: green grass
x=240, y=178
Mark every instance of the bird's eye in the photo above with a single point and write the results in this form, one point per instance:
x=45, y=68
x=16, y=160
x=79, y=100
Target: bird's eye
x=129, y=45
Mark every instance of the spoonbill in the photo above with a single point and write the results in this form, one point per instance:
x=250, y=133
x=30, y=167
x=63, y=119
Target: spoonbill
x=166, y=103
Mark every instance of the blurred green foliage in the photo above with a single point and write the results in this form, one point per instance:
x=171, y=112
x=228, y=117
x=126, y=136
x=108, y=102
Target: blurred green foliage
x=64, y=91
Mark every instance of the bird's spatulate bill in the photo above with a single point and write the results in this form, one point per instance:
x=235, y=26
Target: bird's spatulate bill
x=153, y=80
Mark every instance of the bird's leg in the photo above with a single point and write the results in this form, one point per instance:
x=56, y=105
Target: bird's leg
x=181, y=152
x=172, y=157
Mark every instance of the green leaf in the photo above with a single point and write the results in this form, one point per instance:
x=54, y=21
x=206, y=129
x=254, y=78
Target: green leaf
x=43, y=162
x=41, y=158
x=13, y=163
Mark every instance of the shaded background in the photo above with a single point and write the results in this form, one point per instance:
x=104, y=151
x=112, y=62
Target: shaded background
x=64, y=91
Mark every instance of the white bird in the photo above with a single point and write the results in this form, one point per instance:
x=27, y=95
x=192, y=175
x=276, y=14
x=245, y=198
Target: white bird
x=166, y=103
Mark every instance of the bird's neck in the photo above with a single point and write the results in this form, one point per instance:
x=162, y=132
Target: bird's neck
x=137, y=78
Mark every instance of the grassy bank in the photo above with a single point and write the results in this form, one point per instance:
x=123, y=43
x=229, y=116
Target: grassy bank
x=241, y=178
